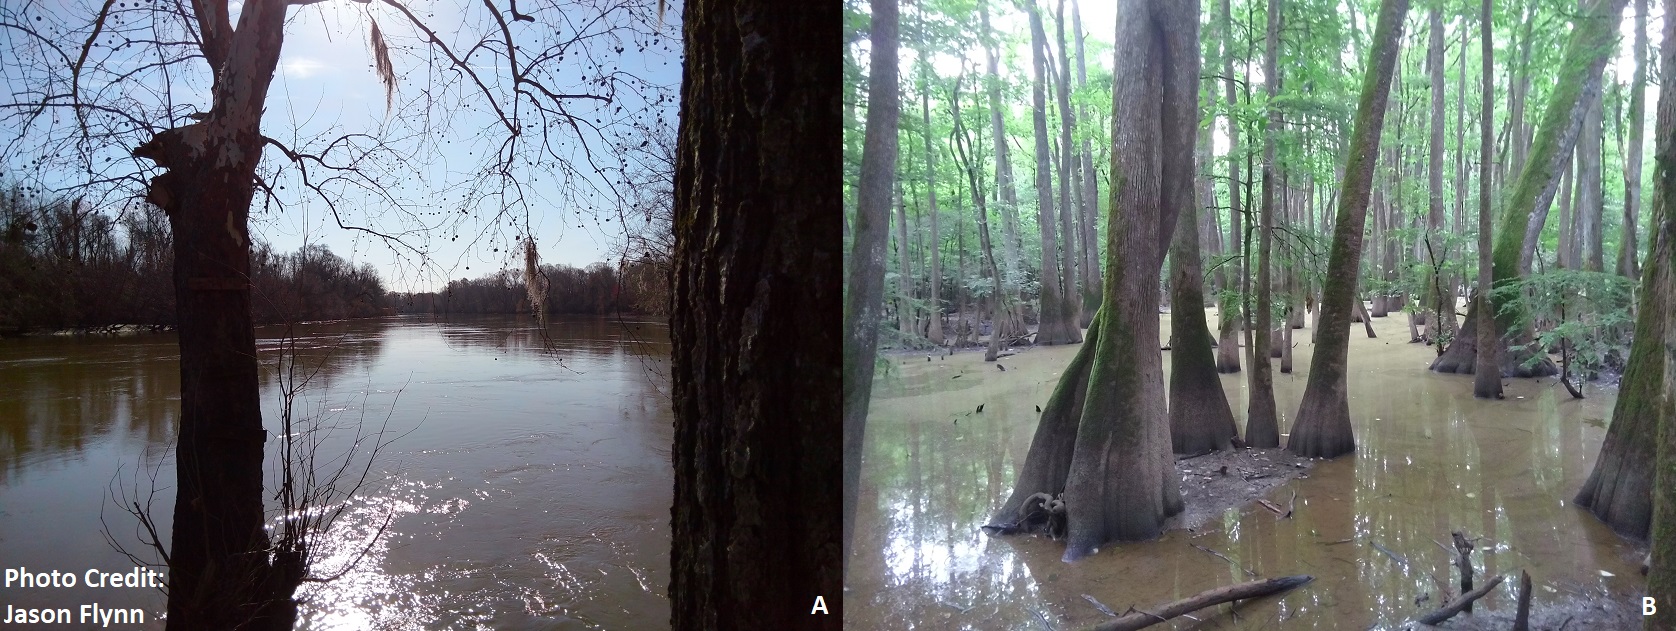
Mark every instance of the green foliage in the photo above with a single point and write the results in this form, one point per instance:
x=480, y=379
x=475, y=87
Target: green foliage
x=1586, y=311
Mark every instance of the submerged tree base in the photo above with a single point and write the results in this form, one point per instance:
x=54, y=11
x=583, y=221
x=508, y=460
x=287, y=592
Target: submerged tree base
x=1461, y=357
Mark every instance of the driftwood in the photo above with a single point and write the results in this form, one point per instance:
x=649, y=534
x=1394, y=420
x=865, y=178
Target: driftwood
x=1138, y=619
x=1459, y=604
x=1522, y=618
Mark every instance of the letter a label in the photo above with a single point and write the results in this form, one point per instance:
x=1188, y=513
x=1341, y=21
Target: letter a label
x=820, y=606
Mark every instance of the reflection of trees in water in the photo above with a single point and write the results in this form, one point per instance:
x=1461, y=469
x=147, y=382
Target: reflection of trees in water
x=334, y=349
x=64, y=395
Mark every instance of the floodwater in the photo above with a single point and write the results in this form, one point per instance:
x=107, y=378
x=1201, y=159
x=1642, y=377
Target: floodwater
x=1430, y=459
x=523, y=488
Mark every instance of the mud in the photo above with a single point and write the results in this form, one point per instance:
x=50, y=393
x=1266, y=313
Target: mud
x=1430, y=459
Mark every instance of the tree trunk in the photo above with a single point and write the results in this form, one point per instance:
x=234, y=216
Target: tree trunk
x=1104, y=436
x=1434, y=215
x=1487, y=353
x=1057, y=325
x=1591, y=204
x=1566, y=250
x=1627, y=264
x=1200, y=417
x=222, y=571
x=998, y=298
x=1661, y=577
x=757, y=197
x=866, y=276
x=936, y=299
x=1262, y=426
x=1070, y=184
x=1091, y=194
x=905, y=320
x=1322, y=429
x=1585, y=56
x=1012, y=245
x=1228, y=346
x=1620, y=490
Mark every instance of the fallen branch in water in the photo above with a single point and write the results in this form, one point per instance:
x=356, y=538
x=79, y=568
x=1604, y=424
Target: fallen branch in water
x=1459, y=604
x=1522, y=617
x=1255, y=589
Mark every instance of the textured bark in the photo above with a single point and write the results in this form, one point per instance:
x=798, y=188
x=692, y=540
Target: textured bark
x=1200, y=417
x=1627, y=244
x=757, y=201
x=866, y=275
x=1584, y=57
x=1262, y=425
x=1620, y=487
x=1661, y=578
x=1323, y=426
x=1104, y=436
x=1486, y=352
x=223, y=572
x=1058, y=324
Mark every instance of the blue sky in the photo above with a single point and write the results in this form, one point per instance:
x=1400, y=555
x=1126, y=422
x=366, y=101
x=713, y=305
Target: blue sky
x=440, y=147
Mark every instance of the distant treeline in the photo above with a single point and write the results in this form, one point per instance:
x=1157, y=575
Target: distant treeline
x=66, y=265
x=637, y=287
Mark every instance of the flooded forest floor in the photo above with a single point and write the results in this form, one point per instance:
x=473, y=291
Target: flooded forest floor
x=1371, y=527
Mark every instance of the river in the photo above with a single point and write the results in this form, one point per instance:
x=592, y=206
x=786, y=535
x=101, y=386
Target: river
x=1430, y=459
x=525, y=480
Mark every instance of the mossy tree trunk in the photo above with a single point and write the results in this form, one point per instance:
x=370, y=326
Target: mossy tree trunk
x=935, y=302
x=866, y=275
x=1200, y=417
x=1620, y=488
x=1584, y=58
x=1661, y=580
x=1103, y=439
x=1323, y=426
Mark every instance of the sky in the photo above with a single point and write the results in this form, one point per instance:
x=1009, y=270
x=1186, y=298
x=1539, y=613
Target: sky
x=437, y=149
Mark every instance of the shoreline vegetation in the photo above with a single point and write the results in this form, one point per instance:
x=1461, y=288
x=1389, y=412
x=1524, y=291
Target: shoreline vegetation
x=72, y=269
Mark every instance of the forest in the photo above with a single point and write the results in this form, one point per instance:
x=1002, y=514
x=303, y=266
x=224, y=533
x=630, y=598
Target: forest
x=1194, y=198
x=64, y=265
x=68, y=265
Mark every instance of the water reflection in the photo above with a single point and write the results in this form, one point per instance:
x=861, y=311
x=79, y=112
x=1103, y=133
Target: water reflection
x=530, y=486
x=1430, y=459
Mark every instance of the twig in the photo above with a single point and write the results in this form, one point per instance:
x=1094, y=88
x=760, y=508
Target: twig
x=1099, y=605
x=1225, y=558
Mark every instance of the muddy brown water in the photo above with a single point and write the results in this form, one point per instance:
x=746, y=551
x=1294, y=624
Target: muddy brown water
x=1430, y=459
x=524, y=490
